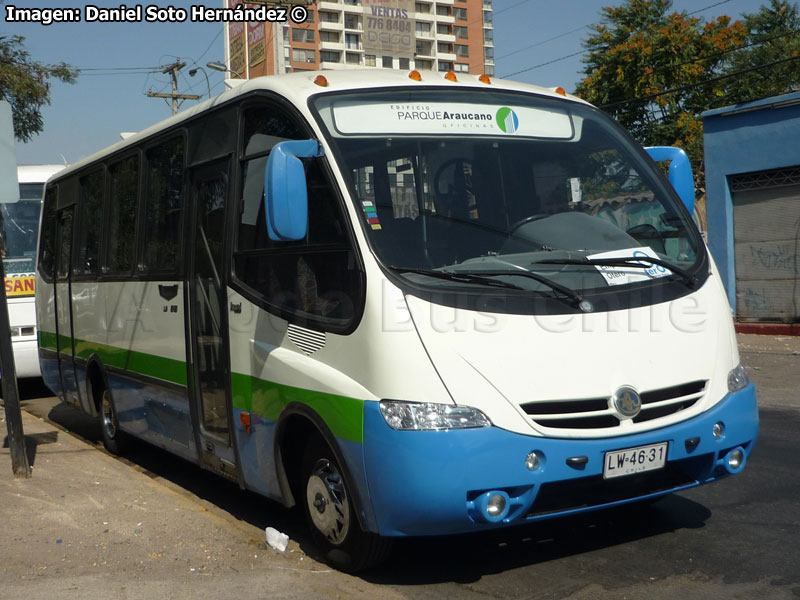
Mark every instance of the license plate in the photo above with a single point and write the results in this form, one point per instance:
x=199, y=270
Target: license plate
x=635, y=460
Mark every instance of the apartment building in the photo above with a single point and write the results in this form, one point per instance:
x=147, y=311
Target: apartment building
x=433, y=35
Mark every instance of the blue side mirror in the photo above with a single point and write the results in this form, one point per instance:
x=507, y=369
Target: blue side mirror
x=286, y=197
x=680, y=172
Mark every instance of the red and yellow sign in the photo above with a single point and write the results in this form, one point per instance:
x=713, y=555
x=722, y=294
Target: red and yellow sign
x=20, y=286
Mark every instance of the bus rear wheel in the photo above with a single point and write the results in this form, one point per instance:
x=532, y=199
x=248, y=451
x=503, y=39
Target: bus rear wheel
x=331, y=516
x=114, y=440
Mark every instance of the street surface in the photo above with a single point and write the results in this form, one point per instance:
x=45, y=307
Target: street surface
x=151, y=525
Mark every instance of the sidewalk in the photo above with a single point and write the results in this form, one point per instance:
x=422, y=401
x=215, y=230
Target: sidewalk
x=87, y=525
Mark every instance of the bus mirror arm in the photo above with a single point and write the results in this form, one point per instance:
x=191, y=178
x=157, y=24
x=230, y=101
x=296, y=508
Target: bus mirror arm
x=286, y=197
x=680, y=172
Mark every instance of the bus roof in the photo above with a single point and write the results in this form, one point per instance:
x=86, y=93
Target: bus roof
x=298, y=87
x=37, y=173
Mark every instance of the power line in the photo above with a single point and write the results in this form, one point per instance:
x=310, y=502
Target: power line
x=699, y=10
x=549, y=62
x=555, y=37
x=694, y=12
x=698, y=84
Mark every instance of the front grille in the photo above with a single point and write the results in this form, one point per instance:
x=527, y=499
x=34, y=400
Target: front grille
x=587, y=492
x=597, y=413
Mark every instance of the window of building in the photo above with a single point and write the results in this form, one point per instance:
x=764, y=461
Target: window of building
x=424, y=48
x=123, y=195
x=328, y=17
x=329, y=36
x=303, y=55
x=444, y=47
x=461, y=32
x=315, y=281
x=488, y=52
x=423, y=64
x=489, y=70
x=285, y=36
x=461, y=68
x=90, y=198
x=403, y=63
x=352, y=41
x=303, y=35
x=309, y=16
x=462, y=50
x=351, y=22
x=369, y=60
x=352, y=59
x=386, y=62
x=423, y=27
x=445, y=66
x=460, y=13
x=163, y=206
x=487, y=16
x=328, y=56
x=443, y=10
x=488, y=35
x=444, y=29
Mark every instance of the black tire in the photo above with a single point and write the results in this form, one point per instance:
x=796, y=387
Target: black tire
x=330, y=513
x=114, y=440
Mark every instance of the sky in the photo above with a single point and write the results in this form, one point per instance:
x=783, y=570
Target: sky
x=536, y=41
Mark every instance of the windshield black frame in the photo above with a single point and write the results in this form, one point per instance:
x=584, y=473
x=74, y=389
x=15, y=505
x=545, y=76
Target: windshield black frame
x=508, y=300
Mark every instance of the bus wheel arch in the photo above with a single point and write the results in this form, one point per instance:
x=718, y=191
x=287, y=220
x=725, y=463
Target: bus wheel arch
x=306, y=456
x=95, y=383
x=114, y=439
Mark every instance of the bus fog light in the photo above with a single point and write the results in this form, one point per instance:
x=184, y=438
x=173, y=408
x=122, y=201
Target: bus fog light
x=496, y=505
x=718, y=430
x=735, y=460
x=532, y=461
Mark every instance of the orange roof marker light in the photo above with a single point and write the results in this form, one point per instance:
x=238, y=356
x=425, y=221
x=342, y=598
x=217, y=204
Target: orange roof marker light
x=485, y=79
x=451, y=76
x=560, y=91
x=321, y=80
x=415, y=75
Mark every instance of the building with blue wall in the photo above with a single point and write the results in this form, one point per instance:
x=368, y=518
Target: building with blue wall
x=752, y=161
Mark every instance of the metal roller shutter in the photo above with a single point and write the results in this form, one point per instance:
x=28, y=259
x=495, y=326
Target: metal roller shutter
x=766, y=225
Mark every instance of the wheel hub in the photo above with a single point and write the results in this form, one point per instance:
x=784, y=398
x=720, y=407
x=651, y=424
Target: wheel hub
x=327, y=500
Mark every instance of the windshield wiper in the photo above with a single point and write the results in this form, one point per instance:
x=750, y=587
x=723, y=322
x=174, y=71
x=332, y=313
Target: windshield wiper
x=626, y=261
x=459, y=277
x=482, y=277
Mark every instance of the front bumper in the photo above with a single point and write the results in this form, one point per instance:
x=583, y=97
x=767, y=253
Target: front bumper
x=434, y=482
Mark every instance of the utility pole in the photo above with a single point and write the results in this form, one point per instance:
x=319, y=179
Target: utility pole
x=9, y=192
x=173, y=71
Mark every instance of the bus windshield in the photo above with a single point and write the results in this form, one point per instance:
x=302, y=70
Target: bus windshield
x=494, y=184
x=19, y=223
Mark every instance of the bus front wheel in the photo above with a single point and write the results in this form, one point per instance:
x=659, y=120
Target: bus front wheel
x=331, y=516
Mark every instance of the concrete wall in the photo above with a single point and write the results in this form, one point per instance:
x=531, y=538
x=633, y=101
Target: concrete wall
x=744, y=138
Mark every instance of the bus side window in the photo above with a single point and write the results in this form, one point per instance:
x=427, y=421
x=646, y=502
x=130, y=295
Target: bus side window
x=91, y=223
x=123, y=195
x=314, y=281
x=163, y=207
x=47, y=238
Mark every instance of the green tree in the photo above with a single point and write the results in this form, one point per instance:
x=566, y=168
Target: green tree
x=640, y=50
x=24, y=83
x=773, y=35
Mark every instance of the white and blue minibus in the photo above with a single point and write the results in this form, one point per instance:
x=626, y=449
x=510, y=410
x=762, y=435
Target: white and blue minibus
x=409, y=304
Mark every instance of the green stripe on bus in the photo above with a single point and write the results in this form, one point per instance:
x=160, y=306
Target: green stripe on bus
x=343, y=415
x=159, y=367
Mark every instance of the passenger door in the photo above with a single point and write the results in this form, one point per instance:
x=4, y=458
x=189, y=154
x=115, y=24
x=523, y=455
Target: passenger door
x=209, y=367
x=63, y=293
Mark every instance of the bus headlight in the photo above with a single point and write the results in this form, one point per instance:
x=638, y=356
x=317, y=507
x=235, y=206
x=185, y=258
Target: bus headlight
x=737, y=379
x=428, y=415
